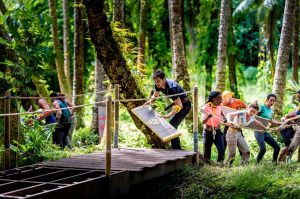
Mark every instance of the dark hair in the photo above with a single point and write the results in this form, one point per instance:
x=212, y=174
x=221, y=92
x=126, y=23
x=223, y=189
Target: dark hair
x=255, y=106
x=298, y=92
x=53, y=94
x=158, y=74
x=271, y=95
x=212, y=95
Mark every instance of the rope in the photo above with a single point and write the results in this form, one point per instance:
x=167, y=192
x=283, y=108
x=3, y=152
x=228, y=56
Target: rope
x=32, y=97
x=79, y=106
x=145, y=99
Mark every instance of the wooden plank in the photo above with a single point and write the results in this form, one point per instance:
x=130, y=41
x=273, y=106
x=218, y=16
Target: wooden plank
x=163, y=129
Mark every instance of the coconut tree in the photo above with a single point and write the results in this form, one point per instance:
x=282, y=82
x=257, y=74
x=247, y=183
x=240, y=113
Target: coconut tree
x=225, y=15
x=283, y=54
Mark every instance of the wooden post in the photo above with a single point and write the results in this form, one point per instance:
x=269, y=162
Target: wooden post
x=195, y=123
x=108, y=136
x=116, y=117
x=7, y=125
x=298, y=159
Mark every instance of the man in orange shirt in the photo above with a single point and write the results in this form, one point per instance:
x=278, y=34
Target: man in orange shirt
x=234, y=103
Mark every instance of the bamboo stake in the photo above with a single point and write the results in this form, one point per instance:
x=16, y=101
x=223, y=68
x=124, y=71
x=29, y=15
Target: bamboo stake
x=116, y=116
x=7, y=124
x=195, y=123
x=108, y=136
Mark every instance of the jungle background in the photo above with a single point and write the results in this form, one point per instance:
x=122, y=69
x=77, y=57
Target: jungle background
x=79, y=47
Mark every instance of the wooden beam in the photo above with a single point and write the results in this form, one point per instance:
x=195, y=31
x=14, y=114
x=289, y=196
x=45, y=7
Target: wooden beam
x=116, y=116
x=195, y=123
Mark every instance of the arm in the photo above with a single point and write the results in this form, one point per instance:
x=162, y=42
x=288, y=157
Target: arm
x=176, y=108
x=152, y=99
x=275, y=122
x=291, y=119
x=70, y=105
x=258, y=123
x=58, y=112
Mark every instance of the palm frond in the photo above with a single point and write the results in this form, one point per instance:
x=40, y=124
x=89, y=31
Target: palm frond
x=292, y=87
x=244, y=6
x=270, y=3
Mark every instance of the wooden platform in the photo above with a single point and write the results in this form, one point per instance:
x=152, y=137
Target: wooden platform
x=83, y=176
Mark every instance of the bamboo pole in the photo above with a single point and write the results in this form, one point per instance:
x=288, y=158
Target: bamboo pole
x=298, y=159
x=7, y=124
x=116, y=116
x=195, y=123
x=108, y=136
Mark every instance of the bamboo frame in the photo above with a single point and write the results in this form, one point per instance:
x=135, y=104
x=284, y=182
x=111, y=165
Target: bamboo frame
x=116, y=115
x=195, y=123
x=108, y=136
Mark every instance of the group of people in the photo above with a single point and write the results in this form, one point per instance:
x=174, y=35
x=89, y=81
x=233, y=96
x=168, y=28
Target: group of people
x=231, y=136
x=234, y=122
x=62, y=116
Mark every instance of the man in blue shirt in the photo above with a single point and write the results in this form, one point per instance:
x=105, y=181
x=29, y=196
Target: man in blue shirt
x=182, y=104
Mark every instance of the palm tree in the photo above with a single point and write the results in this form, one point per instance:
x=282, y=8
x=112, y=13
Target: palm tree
x=225, y=16
x=295, y=56
x=283, y=54
x=179, y=63
x=267, y=16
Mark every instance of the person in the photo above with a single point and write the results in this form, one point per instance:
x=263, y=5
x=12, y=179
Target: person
x=43, y=104
x=234, y=138
x=63, y=118
x=182, y=104
x=212, y=133
x=294, y=117
x=67, y=103
x=234, y=103
x=266, y=111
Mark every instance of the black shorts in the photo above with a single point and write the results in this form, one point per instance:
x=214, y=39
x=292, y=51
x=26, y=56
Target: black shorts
x=287, y=135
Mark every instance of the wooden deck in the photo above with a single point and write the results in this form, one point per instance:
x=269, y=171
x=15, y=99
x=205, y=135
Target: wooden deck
x=83, y=176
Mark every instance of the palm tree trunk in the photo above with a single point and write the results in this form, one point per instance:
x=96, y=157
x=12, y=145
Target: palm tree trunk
x=78, y=82
x=66, y=30
x=222, y=45
x=283, y=55
x=270, y=35
x=232, y=62
x=63, y=83
x=295, y=61
x=100, y=78
x=181, y=74
x=142, y=37
x=118, y=12
x=208, y=79
x=114, y=64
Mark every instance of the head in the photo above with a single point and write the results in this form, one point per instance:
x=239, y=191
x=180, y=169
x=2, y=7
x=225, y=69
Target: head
x=159, y=78
x=62, y=96
x=253, y=109
x=53, y=96
x=298, y=95
x=271, y=99
x=227, y=96
x=215, y=97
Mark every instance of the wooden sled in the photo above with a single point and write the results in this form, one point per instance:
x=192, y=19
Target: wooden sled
x=252, y=126
x=162, y=128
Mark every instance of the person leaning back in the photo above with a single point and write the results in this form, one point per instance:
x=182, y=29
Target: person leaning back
x=182, y=104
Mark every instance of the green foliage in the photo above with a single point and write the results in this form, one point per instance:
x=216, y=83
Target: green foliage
x=250, y=75
x=84, y=137
x=264, y=76
x=36, y=140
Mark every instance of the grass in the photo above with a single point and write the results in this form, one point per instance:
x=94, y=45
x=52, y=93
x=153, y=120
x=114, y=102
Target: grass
x=251, y=181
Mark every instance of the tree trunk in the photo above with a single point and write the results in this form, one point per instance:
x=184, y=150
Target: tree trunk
x=118, y=12
x=40, y=87
x=225, y=16
x=270, y=35
x=100, y=78
x=181, y=74
x=283, y=55
x=232, y=62
x=114, y=64
x=66, y=30
x=78, y=82
x=63, y=83
x=295, y=61
x=208, y=79
x=142, y=38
